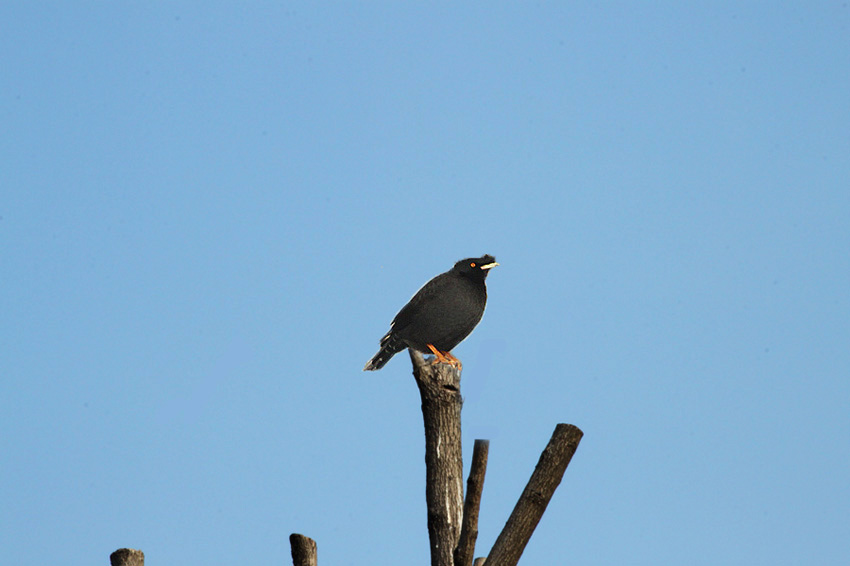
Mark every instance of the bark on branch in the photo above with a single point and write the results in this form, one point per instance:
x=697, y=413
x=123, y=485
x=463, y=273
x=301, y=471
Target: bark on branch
x=127, y=557
x=532, y=503
x=439, y=388
x=474, y=485
x=303, y=550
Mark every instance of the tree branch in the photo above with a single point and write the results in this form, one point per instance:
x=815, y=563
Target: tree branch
x=532, y=503
x=303, y=550
x=474, y=486
x=127, y=557
x=439, y=388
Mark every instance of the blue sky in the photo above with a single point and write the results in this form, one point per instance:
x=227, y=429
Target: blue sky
x=210, y=212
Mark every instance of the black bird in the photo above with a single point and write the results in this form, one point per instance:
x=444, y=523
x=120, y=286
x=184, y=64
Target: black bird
x=440, y=315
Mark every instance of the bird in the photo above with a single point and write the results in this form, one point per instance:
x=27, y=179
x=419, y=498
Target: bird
x=440, y=315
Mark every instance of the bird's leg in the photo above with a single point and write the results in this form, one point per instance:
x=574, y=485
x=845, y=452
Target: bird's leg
x=444, y=357
x=440, y=357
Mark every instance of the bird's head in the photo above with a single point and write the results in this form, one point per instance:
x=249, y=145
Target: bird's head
x=476, y=267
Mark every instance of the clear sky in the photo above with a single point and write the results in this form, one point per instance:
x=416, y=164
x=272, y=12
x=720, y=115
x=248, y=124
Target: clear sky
x=210, y=212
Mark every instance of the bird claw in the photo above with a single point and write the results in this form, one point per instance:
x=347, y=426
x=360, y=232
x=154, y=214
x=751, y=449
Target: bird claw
x=444, y=358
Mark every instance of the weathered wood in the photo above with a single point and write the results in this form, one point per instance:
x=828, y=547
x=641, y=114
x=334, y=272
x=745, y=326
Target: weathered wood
x=303, y=550
x=127, y=557
x=532, y=503
x=479, y=561
x=439, y=389
x=474, y=485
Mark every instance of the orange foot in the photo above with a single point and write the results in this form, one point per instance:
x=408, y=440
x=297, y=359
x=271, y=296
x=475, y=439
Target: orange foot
x=444, y=357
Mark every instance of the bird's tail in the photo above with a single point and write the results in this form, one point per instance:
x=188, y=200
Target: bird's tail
x=390, y=346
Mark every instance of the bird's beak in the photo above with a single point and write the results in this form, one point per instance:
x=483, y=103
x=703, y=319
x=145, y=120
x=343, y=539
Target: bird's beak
x=489, y=265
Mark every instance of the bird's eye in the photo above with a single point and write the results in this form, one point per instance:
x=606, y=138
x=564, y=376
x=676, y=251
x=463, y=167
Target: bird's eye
x=472, y=264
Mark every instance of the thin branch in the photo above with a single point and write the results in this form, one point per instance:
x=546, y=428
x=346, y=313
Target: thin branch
x=532, y=503
x=127, y=557
x=303, y=550
x=474, y=485
x=439, y=388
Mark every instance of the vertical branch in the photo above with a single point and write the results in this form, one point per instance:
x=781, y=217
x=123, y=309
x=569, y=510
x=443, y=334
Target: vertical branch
x=474, y=486
x=532, y=503
x=303, y=550
x=127, y=557
x=439, y=388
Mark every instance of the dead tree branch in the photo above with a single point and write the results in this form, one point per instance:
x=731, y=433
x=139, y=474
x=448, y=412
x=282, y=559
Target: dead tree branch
x=474, y=486
x=439, y=388
x=532, y=503
x=303, y=550
x=127, y=557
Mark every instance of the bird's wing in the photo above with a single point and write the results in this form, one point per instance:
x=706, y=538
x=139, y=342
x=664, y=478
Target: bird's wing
x=414, y=307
